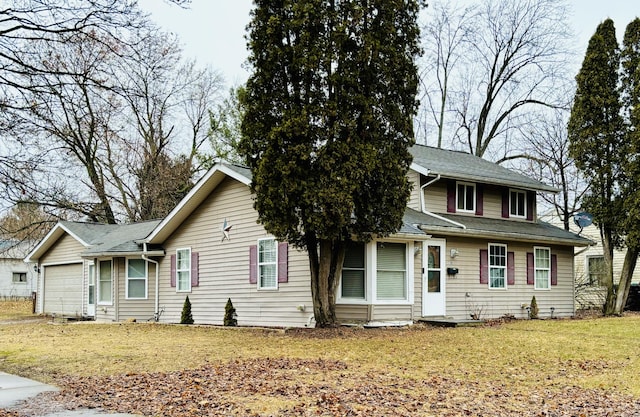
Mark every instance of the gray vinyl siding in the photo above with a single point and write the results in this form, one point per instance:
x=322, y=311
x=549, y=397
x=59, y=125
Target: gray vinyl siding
x=353, y=313
x=138, y=309
x=224, y=267
x=466, y=295
x=389, y=312
x=65, y=251
x=414, y=197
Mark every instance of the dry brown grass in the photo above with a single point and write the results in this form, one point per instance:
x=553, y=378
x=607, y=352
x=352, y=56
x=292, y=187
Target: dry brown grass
x=15, y=309
x=521, y=356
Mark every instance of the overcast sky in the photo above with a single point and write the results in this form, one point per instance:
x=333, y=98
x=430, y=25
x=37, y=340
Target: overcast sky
x=213, y=30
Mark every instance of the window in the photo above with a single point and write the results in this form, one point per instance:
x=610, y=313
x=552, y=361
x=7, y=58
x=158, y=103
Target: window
x=497, y=266
x=391, y=269
x=267, y=264
x=518, y=203
x=542, y=265
x=19, y=277
x=92, y=284
x=466, y=197
x=183, y=270
x=596, y=269
x=104, y=282
x=136, y=279
x=353, y=272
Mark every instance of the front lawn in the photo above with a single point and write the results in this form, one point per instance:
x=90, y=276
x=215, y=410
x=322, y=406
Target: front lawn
x=552, y=367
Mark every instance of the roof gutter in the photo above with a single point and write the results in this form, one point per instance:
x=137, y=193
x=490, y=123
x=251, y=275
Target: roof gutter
x=424, y=209
x=156, y=313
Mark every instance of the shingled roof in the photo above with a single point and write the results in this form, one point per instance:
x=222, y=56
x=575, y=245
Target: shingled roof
x=467, y=167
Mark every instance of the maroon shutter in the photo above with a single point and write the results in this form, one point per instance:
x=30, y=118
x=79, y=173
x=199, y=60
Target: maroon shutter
x=531, y=200
x=530, y=266
x=173, y=270
x=505, y=203
x=479, y=199
x=195, y=267
x=484, y=266
x=511, y=269
x=554, y=269
x=253, y=264
x=451, y=196
x=283, y=257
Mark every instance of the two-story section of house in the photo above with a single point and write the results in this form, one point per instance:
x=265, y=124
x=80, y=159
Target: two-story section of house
x=488, y=254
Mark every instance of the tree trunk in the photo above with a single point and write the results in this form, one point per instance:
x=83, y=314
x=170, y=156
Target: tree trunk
x=325, y=261
x=630, y=260
x=607, y=249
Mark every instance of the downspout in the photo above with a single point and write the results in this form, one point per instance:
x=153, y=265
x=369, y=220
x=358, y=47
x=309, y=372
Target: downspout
x=424, y=209
x=157, y=296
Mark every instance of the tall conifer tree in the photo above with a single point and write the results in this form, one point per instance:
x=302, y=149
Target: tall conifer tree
x=328, y=123
x=596, y=140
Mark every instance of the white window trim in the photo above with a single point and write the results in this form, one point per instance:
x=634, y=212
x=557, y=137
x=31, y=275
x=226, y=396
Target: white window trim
x=258, y=264
x=26, y=277
x=178, y=270
x=98, y=291
x=506, y=267
x=588, y=270
x=146, y=280
x=535, y=269
x=511, y=208
x=466, y=184
x=90, y=264
x=367, y=297
x=409, y=272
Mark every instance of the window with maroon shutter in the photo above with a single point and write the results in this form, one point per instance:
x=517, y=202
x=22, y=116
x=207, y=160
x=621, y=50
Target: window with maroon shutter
x=531, y=204
x=511, y=272
x=554, y=269
x=530, y=269
x=451, y=196
x=505, y=203
x=283, y=258
x=484, y=266
x=479, y=199
x=173, y=270
x=253, y=264
x=195, y=267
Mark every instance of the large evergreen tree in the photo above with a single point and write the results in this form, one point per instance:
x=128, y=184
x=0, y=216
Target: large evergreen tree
x=596, y=140
x=328, y=124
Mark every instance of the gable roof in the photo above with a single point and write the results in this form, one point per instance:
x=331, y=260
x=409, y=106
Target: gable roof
x=98, y=239
x=468, y=167
x=195, y=197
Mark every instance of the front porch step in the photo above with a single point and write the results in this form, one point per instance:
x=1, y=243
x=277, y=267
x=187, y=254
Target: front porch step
x=450, y=322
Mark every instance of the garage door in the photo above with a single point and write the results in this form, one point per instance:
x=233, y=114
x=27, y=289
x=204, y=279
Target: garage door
x=63, y=289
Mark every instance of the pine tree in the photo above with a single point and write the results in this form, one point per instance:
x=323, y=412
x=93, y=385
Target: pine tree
x=230, y=314
x=596, y=140
x=327, y=125
x=186, y=317
x=533, y=308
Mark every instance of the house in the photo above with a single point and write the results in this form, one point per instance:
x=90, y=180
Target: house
x=470, y=247
x=17, y=279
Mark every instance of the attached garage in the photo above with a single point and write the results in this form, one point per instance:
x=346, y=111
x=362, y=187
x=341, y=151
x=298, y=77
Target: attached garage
x=63, y=289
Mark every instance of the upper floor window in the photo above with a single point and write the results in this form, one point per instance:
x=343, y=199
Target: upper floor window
x=596, y=269
x=542, y=262
x=497, y=266
x=517, y=203
x=466, y=197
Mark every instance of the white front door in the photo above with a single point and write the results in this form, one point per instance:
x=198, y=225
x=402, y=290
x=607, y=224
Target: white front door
x=91, y=291
x=433, y=278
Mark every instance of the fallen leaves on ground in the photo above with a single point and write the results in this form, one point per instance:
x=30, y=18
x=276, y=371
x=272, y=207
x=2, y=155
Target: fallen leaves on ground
x=302, y=387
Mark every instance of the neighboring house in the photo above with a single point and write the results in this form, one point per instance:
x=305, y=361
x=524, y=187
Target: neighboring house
x=470, y=246
x=17, y=279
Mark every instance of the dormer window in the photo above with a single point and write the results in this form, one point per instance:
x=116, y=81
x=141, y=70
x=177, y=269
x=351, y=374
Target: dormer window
x=517, y=203
x=466, y=197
